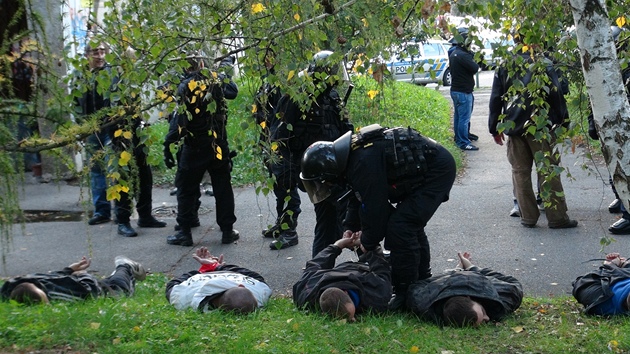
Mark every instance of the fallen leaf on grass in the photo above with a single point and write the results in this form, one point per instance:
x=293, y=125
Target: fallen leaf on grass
x=518, y=329
x=95, y=325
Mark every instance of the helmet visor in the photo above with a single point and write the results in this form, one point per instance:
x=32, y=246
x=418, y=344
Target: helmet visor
x=317, y=190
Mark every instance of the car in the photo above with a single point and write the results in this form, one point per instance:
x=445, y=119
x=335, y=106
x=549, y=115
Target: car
x=490, y=44
x=420, y=63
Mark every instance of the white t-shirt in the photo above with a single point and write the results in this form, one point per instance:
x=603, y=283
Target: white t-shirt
x=193, y=290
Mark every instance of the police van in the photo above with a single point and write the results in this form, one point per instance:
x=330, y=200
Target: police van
x=420, y=63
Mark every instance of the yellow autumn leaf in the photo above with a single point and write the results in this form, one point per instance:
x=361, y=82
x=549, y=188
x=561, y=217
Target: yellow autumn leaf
x=161, y=94
x=620, y=21
x=114, y=175
x=169, y=99
x=257, y=7
x=372, y=93
x=192, y=84
x=263, y=124
x=365, y=23
x=117, y=133
x=124, y=189
x=296, y=17
x=274, y=146
x=214, y=134
x=254, y=108
x=95, y=325
x=116, y=340
x=295, y=326
x=525, y=49
x=414, y=349
x=136, y=329
x=518, y=329
x=215, y=75
x=197, y=110
x=127, y=135
x=161, y=114
x=193, y=100
x=124, y=158
x=291, y=74
x=219, y=153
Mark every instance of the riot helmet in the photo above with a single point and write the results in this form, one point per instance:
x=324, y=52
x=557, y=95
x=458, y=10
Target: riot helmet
x=322, y=165
x=323, y=66
x=461, y=36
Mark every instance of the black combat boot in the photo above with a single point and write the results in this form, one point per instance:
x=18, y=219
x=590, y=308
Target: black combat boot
x=230, y=236
x=399, y=298
x=286, y=239
x=182, y=238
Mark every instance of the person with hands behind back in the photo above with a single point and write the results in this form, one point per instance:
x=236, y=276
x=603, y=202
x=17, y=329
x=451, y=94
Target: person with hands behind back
x=606, y=290
x=349, y=288
x=217, y=285
x=465, y=296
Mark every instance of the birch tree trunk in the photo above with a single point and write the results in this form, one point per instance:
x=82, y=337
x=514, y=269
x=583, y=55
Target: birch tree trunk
x=606, y=91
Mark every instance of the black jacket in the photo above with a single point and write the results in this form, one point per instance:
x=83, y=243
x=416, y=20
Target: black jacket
x=594, y=288
x=463, y=69
x=370, y=277
x=519, y=108
x=499, y=294
x=62, y=285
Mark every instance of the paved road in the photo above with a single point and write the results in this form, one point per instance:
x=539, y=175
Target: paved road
x=474, y=219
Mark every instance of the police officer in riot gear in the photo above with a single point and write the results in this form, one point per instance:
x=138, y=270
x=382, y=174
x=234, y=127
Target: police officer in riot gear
x=205, y=148
x=296, y=128
x=398, y=178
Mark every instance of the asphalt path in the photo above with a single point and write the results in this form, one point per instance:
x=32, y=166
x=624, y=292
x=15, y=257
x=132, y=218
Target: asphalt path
x=475, y=219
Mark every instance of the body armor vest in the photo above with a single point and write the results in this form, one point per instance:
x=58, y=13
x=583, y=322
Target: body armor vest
x=322, y=122
x=202, y=116
x=406, y=155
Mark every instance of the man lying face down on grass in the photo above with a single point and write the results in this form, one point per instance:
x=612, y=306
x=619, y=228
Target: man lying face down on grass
x=349, y=288
x=466, y=296
x=605, y=291
x=73, y=283
x=217, y=285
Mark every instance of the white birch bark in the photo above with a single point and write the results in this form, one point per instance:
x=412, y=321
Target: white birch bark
x=606, y=91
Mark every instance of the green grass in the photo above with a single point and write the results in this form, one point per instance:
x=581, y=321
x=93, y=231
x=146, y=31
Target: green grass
x=147, y=323
x=396, y=104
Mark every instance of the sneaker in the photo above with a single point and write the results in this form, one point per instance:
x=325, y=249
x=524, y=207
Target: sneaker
x=286, y=240
x=138, y=271
x=469, y=147
x=516, y=211
x=230, y=236
x=473, y=137
x=98, y=219
x=151, y=222
x=567, y=225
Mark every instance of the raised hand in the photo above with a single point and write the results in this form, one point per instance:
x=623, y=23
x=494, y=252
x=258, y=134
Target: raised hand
x=203, y=256
x=82, y=264
x=464, y=260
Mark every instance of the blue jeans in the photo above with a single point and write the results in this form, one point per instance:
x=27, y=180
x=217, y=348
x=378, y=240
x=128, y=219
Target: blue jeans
x=463, y=107
x=98, y=181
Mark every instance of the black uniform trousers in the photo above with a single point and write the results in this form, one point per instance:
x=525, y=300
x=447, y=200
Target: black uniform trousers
x=198, y=156
x=286, y=169
x=406, y=239
x=329, y=215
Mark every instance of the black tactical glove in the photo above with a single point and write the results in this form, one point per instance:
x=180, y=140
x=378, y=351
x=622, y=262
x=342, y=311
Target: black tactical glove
x=169, y=160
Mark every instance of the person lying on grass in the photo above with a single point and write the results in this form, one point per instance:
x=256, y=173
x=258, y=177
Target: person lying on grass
x=217, y=285
x=349, y=288
x=465, y=296
x=73, y=283
x=605, y=291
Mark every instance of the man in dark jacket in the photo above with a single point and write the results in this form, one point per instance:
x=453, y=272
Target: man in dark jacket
x=605, y=291
x=399, y=178
x=73, y=283
x=463, y=69
x=466, y=296
x=346, y=289
x=518, y=115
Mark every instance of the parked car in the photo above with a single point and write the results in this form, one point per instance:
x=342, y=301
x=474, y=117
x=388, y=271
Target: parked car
x=420, y=63
x=490, y=59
